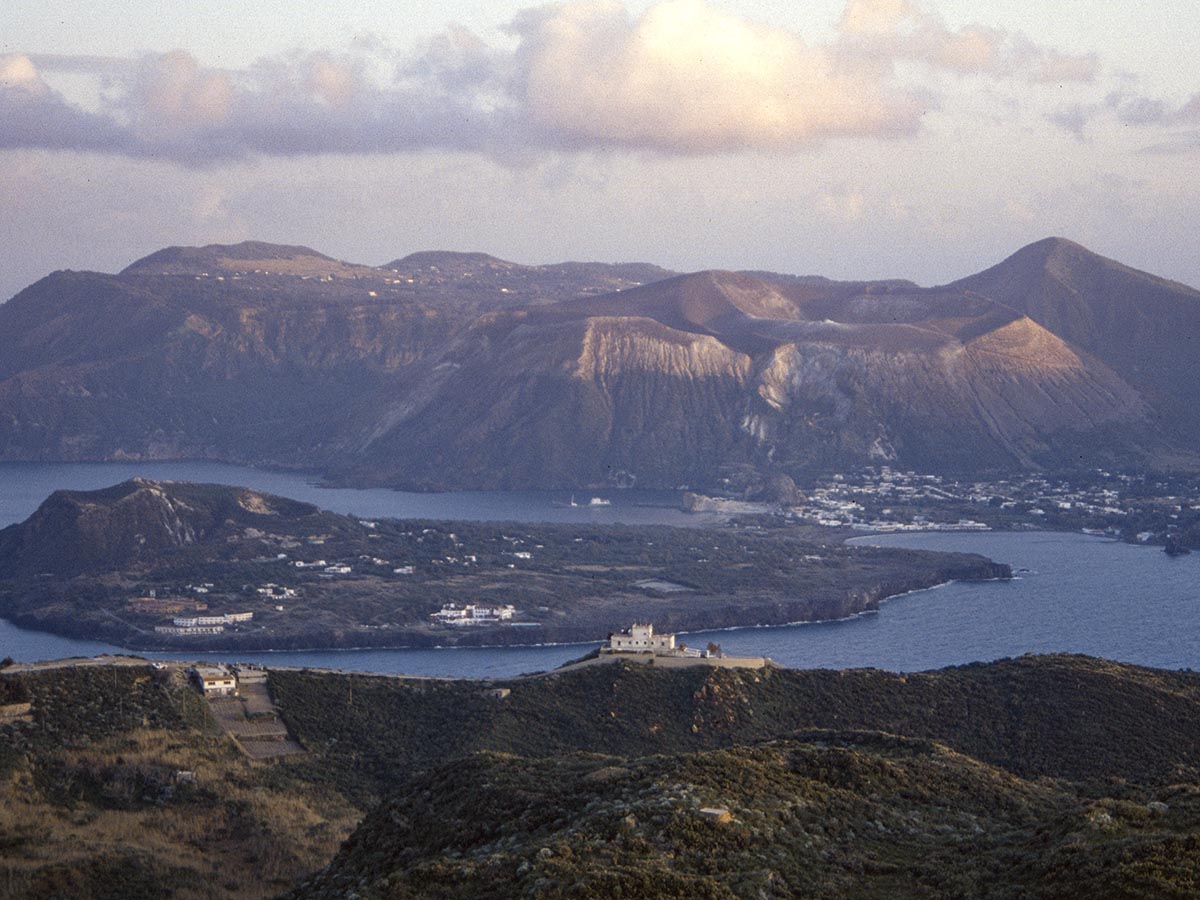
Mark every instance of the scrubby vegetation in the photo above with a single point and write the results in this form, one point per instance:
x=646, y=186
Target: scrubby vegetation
x=839, y=814
x=1057, y=716
x=1036, y=777
x=120, y=787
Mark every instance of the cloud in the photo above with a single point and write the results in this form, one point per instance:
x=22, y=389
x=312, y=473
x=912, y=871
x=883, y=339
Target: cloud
x=18, y=73
x=1073, y=118
x=683, y=77
x=33, y=115
x=1135, y=111
x=1181, y=142
x=686, y=77
x=900, y=29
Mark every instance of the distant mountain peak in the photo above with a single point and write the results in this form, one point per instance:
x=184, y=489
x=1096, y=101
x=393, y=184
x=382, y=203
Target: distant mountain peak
x=1063, y=260
x=447, y=258
x=191, y=260
x=1054, y=244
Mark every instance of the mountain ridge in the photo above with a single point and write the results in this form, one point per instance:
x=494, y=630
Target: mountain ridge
x=478, y=372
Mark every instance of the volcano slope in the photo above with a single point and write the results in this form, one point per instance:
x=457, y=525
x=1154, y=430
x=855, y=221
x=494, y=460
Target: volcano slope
x=666, y=383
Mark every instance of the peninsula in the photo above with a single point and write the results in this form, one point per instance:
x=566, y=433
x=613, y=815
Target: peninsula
x=157, y=565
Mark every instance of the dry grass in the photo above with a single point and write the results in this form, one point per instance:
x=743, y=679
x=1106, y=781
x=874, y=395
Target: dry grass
x=244, y=830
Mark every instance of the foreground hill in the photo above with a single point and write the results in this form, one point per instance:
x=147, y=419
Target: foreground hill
x=124, y=562
x=1042, y=777
x=830, y=815
x=1058, y=717
x=116, y=786
x=982, y=781
x=459, y=370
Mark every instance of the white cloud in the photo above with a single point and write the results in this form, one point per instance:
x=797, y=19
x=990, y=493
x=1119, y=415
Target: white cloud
x=18, y=72
x=900, y=29
x=173, y=93
x=687, y=77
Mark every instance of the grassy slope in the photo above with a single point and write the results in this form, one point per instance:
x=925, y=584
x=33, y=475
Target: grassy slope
x=93, y=809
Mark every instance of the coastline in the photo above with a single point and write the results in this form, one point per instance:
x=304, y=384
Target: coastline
x=856, y=603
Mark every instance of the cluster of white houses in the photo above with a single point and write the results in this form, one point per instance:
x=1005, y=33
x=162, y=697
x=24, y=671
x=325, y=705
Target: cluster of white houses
x=203, y=624
x=472, y=614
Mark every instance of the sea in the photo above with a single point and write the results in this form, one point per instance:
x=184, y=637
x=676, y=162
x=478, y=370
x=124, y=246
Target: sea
x=1073, y=593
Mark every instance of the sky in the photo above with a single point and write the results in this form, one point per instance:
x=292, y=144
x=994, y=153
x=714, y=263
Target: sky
x=847, y=138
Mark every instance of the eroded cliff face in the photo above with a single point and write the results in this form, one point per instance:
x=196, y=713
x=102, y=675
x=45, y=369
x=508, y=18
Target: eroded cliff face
x=629, y=399
x=588, y=401
x=1017, y=393
x=613, y=348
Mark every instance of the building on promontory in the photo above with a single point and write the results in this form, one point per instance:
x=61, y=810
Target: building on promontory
x=639, y=644
x=214, y=680
x=642, y=639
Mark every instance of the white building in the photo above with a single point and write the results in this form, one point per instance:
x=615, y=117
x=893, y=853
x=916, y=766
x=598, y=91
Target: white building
x=472, y=614
x=641, y=639
x=218, y=622
x=189, y=629
x=214, y=681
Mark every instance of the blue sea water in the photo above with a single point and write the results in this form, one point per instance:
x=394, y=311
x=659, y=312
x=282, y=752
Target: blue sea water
x=1073, y=593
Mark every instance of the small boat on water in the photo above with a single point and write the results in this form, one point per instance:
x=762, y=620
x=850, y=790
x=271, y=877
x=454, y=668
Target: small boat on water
x=595, y=501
